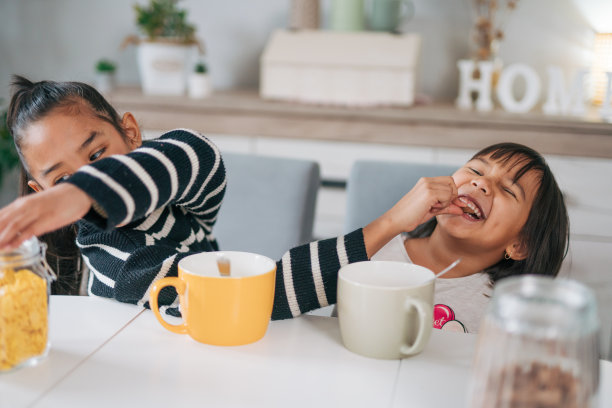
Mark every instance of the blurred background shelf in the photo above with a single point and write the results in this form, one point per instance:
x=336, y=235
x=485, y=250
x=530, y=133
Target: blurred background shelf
x=243, y=112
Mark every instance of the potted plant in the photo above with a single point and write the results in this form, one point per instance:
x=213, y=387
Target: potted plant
x=167, y=47
x=9, y=162
x=199, y=84
x=105, y=75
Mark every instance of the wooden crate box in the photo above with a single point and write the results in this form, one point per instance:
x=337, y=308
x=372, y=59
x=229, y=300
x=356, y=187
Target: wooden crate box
x=340, y=68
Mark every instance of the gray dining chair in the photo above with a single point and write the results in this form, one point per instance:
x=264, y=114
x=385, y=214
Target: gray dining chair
x=269, y=204
x=375, y=186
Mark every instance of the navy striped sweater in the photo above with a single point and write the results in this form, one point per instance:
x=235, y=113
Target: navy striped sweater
x=159, y=203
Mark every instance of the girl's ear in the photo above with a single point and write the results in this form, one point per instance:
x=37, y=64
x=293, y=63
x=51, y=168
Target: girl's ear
x=517, y=251
x=34, y=186
x=132, y=130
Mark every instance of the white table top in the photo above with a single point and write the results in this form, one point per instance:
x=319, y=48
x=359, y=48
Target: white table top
x=78, y=327
x=108, y=354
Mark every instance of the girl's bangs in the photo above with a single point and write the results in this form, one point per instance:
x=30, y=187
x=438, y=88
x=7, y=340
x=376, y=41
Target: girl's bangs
x=513, y=155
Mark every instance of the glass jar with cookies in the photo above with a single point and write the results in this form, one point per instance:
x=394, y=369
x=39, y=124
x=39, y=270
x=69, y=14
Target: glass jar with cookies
x=25, y=279
x=537, y=346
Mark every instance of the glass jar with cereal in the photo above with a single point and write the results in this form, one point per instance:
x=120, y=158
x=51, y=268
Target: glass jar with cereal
x=25, y=279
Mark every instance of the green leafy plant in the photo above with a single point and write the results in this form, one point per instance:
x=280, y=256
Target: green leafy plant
x=9, y=159
x=200, y=68
x=105, y=65
x=163, y=18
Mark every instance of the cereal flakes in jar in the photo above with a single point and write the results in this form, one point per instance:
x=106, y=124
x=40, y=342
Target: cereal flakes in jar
x=25, y=280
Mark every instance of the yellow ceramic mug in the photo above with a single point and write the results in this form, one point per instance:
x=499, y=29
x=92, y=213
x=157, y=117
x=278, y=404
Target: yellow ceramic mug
x=221, y=310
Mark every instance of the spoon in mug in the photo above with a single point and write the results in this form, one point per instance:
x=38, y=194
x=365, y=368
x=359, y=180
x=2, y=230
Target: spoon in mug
x=448, y=268
x=223, y=264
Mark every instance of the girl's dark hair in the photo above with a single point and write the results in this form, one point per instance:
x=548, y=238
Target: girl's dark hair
x=30, y=102
x=63, y=256
x=546, y=231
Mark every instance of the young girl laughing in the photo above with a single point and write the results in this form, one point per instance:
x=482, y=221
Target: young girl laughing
x=514, y=222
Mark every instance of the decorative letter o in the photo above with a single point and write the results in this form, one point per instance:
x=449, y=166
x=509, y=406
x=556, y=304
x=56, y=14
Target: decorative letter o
x=505, y=85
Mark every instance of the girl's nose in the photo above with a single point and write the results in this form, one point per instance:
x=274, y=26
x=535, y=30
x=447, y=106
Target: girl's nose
x=481, y=184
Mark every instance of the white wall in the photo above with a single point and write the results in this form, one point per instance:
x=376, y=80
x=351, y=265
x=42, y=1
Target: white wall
x=62, y=39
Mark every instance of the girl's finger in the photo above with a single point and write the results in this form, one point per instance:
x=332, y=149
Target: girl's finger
x=443, y=200
x=454, y=187
x=9, y=232
x=20, y=221
x=450, y=209
x=16, y=242
x=24, y=232
x=10, y=239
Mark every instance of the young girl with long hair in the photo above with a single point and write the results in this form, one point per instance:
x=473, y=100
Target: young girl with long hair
x=515, y=222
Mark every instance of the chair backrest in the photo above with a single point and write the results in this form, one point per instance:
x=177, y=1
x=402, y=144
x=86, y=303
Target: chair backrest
x=269, y=204
x=375, y=186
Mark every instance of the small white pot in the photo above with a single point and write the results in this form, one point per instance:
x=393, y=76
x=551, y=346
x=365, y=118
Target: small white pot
x=105, y=82
x=199, y=86
x=164, y=67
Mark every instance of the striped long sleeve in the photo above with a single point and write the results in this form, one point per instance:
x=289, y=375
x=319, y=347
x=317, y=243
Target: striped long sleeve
x=160, y=203
x=181, y=168
x=307, y=276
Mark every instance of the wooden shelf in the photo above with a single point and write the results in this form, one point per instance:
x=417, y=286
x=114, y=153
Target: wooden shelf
x=245, y=113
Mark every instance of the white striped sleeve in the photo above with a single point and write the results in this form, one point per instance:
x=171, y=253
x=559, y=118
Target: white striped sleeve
x=97, y=275
x=163, y=271
x=180, y=168
x=170, y=168
x=145, y=177
x=193, y=160
x=117, y=253
x=127, y=198
x=316, y=274
x=289, y=289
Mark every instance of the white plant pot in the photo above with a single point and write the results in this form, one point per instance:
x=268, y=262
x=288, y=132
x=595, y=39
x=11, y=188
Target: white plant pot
x=164, y=67
x=199, y=86
x=105, y=82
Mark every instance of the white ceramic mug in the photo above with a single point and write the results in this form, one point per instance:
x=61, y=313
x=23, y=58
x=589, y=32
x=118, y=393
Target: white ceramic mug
x=385, y=308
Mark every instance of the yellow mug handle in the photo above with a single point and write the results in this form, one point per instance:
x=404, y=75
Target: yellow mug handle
x=180, y=286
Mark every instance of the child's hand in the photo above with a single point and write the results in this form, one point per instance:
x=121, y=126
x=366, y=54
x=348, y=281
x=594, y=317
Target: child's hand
x=428, y=198
x=42, y=212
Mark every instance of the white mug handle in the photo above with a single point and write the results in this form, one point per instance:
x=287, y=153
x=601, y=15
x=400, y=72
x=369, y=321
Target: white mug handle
x=422, y=312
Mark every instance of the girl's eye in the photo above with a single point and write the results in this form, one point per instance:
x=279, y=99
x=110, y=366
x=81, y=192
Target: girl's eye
x=60, y=179
x=507, y=190
x=475, y=171
x=97, y=155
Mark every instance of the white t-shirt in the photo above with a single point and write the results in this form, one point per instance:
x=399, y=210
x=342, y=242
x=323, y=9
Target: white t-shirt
x=459, y=303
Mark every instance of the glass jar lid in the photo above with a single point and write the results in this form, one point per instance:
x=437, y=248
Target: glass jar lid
x=30, y=252
x=541, y=306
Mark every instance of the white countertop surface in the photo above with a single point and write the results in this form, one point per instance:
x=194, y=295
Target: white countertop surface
x=107, y=354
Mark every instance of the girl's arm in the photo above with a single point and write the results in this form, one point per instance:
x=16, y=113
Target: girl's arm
x=182, y=168
x=306, y=276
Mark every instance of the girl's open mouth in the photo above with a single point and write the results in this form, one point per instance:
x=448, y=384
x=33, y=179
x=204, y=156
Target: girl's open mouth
x=471, y=209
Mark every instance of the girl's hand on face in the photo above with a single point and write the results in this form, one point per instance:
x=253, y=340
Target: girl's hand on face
x=40, y=213
x=428, y=198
